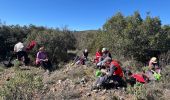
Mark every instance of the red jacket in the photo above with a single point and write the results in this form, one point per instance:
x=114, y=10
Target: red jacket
x=98, y=55
x=118, y=71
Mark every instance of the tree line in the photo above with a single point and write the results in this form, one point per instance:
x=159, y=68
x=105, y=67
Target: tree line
x=129, y=37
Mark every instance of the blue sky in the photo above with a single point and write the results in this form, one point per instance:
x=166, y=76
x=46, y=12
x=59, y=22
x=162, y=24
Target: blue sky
x=77, y=14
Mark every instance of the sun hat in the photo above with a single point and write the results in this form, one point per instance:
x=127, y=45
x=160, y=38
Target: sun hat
x=154, y=60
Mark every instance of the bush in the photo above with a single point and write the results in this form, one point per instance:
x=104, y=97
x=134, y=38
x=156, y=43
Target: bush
x=56, y=43
x=131, y=37
x=9, y=35
x=23, y=85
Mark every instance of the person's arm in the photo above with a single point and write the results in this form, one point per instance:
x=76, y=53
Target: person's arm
x=15, y=48
x=38, y=56
x=112, y=69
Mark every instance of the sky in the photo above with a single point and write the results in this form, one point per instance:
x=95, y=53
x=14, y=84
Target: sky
x=77, y=14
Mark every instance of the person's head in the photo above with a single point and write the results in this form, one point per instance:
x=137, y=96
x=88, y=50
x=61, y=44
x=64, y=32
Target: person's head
x=41, y=48
x=104, y=50
x=154, y=60
x=85, y=50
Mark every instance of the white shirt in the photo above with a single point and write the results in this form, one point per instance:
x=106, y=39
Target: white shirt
x=18, y=47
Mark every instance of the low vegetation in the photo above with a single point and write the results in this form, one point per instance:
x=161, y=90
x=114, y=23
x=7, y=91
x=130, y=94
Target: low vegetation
x=130, y=39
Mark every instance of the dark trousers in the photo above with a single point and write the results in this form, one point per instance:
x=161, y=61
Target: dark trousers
x=23, y=56
x=104, y=80
x=46, y=65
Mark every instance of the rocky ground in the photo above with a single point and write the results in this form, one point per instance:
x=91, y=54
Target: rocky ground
x=73, y=83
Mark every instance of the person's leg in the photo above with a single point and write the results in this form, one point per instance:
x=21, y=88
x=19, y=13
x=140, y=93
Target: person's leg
x=43, y=65
x=49, y=66
x=26, y=59
x=82, y=61
x=19, y=55
x=102, y=80
x=77, y=62
x=13, y=55
x=158, y=70
x=121, y=82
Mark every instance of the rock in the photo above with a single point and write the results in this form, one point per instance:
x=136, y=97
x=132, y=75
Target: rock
x=83, y=81
x=121, y=98
x=104, y=91
x=8, y=78
x=54, y=89
x=95, y=91
x=59, y=81
x=88, y=94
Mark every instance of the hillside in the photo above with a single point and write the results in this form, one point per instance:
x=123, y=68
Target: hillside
x=72, y=82
x=132, y=40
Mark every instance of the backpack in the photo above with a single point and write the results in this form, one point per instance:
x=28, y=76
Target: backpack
x=31, y=45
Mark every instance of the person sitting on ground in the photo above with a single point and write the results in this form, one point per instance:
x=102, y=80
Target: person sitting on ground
x=114, y=73
x=82, y=59
x=153, y=70
x=153, y=65
x=43, y=60
x=105, y=54
x=21, y=53
x=97, y=56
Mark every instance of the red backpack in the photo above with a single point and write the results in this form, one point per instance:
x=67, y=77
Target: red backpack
x=31, y=45
x=139, y=78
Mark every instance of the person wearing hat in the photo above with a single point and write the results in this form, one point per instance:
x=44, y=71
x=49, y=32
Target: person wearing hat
x=153, y=71
x=153, y=64
x=105, y=55
x=43, y=60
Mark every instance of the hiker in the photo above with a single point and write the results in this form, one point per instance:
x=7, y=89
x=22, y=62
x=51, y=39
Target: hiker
x=21, y=53
x=153, y=70
x=97, y=56
x=113, y=72
x=85, y=54
x=78, y=60
x=43, y=60
x=102, y=59
x=153, y=65
x=81, y=59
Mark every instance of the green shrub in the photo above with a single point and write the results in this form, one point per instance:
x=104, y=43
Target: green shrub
x=23, y=85
x=55, y=41
x=130, y=37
